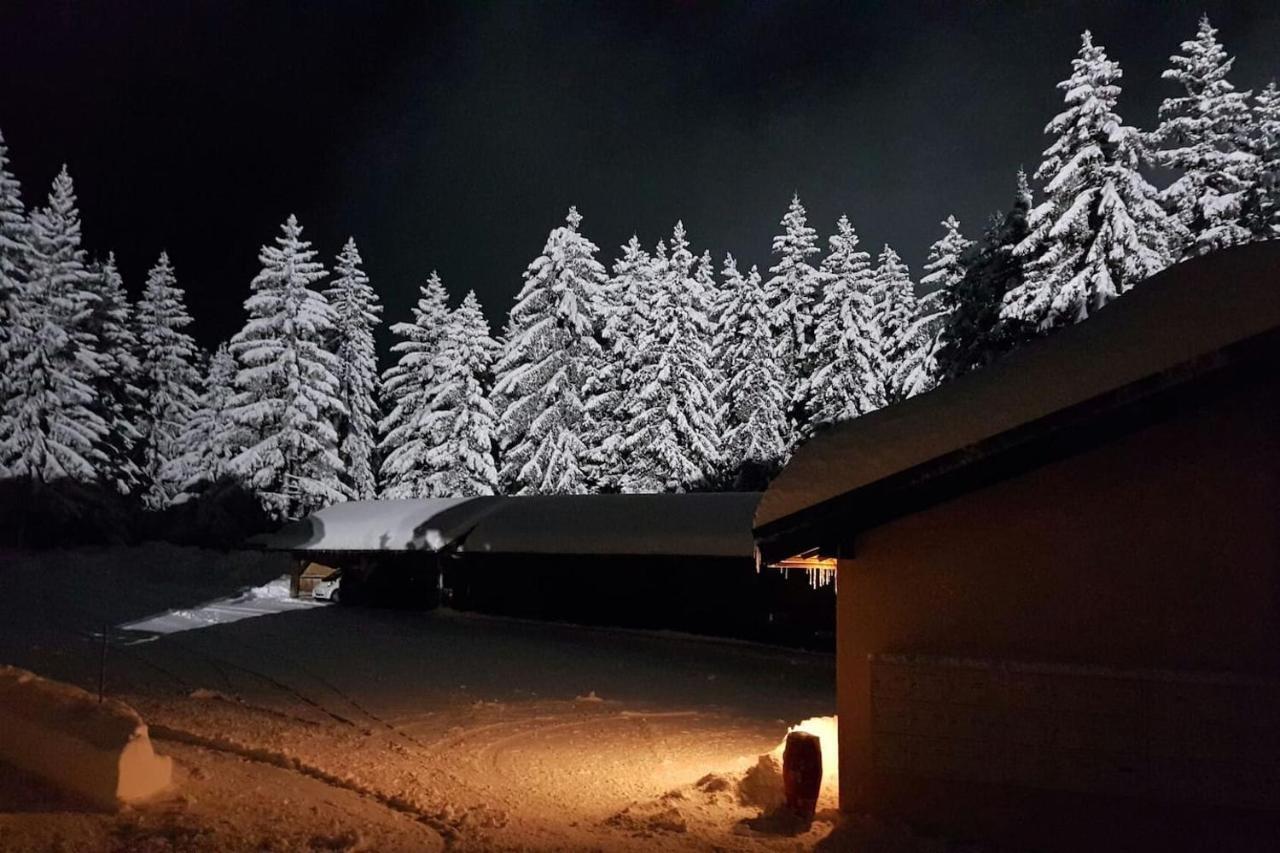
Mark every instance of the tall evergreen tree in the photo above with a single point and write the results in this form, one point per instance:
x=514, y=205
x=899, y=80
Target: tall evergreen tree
x=1262, y=212
x=1099, y=230
x=943, y=271
x=973, y=333
x=847, y=375
x=625, y=320
x=51, y=429
x=119, y=396
x=672, y=438
x=792, y=290
x=356, y=313
x=211, y=438
x=895, y=312
x=752, y=392
x=14, y=252
x=287, y=386
x=169, y=380
x=409, y=386
x=1203, y=136
x=547, y=366
x=461, y=463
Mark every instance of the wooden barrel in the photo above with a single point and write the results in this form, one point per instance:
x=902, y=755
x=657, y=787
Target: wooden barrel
x=802, y=773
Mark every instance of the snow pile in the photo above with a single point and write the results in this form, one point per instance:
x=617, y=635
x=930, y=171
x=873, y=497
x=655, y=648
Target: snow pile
x=99, y=751
x=276, y=589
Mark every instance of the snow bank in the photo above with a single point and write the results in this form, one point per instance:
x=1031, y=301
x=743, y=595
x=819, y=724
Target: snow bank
x=97, y=751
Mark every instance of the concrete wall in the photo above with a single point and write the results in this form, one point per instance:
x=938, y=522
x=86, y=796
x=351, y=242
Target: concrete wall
x=1159, y=551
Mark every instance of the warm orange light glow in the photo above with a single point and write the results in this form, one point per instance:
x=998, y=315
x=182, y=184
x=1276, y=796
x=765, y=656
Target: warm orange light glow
x=824, y=729
x=821, y=570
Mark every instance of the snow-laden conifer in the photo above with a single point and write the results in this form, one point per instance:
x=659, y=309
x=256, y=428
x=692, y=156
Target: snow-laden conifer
x=672, y=438
x=973, y=333
x=14, y=251
x=895, y=316
x=168, y=379
x=51, y=427
x=943, y=271
x=211, y=439
x=752, y=392
x=1263, y=207
x=545, y=371
x=1100, y=229
x=461, y=462
x=287, y=387
x=1203, y=138
x=409, y=387
x=119, y=397
x=624, y=319
x=847, y=375
x=356, y=314
x=792, y=290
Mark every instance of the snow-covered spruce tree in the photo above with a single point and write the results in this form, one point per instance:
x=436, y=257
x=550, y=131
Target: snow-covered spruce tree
x=14, y=251
x=461, y=462
x=1100, y=229
x=895, y=316
x=973, y=333
x=792, y=290
x=752, y=392
x=624, y=319
x=356, y=313
x=944, y=269
x=1203, y=137
x=545, y=371
x=287, y=386
x=672, y=438
x=1262, y=210
x=409, y=387
x=51, y=429
x=119, y=397
x=847, y=373
x=169, y=380
x=211, y=438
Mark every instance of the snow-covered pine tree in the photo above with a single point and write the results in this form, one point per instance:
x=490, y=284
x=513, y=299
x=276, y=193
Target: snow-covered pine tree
x=1203, y=136
x=624, y=320
x=1100, y=229
x=14, y=254
x=847, y=373
x=973, y=334
x=169, y=380
x=545, y=371
x=461, y=463
x=944, y=269
x=119, y=398
x=752, y=390
x=287, y=386
x=51, y=428
x=356, y=314
x=792, y=290
x=895, y=315
x=409, y=387
x=1262, y=211
x=672, y=439
x=211, y=439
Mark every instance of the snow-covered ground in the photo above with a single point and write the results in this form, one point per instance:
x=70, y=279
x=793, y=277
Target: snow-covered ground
x=344, y=728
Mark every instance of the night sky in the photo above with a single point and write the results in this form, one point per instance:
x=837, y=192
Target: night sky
x=453, y=136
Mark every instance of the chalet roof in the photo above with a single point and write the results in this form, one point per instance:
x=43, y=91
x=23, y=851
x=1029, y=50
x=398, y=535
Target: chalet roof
x=1171, y=328
x=694, y=525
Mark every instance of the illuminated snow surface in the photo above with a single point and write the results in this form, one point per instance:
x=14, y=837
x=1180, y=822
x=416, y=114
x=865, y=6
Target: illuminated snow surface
x=345, y=728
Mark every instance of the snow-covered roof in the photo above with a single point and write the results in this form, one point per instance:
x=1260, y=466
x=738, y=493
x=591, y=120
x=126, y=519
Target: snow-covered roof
x=693, y=525
x=1180, y=317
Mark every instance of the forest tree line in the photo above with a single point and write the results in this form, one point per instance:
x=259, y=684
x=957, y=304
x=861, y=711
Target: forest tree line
x=669, y=370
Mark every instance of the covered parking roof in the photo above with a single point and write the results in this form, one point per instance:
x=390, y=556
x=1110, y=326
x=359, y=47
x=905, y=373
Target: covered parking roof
x=1186, y=322
x=693, y=525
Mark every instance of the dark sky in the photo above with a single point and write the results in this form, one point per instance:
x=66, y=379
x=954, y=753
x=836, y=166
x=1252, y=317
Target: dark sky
x=453, y=136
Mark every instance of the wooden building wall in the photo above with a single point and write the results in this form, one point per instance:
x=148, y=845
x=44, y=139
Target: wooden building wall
x=1056, y=658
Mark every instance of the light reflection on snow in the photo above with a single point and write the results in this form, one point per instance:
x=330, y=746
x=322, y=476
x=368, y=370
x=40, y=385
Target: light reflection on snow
x=263, y=600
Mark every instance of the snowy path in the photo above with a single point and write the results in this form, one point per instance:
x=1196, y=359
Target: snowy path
x=490, y=733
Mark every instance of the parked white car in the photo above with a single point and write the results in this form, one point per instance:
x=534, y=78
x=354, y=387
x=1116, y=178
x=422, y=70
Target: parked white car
x=327, y=590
